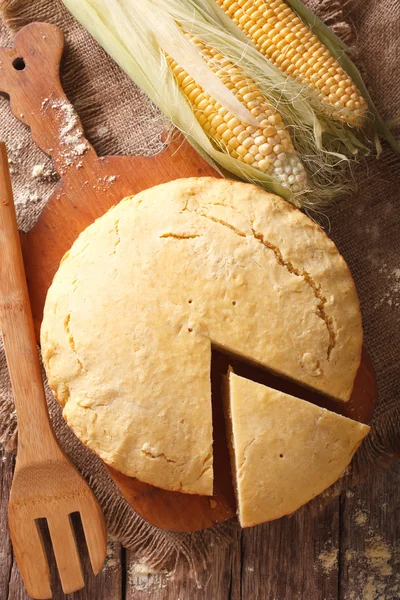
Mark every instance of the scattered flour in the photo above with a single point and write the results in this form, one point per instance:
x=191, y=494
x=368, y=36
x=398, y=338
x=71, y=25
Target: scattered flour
x=391, y=296
x=27, y=196
x=142, y=577
x=376, y=576
x=32, y=184
x=41, y=173
x=102, y=131
x=361, y=517
x=108, y=180
x=70, y=117
x=112, y=561
x=378, y=556
x=72, y=140
x=81, y=149
x=328, y=560
x=250, y=569
x=11, y=166
x=14, y=158
x=38, y=171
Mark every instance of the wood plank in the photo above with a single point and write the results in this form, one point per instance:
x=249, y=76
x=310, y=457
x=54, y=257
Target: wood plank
x=370, y=538
x=294, y=558
x=6, y=471
x=285, y=560
x=220, y=581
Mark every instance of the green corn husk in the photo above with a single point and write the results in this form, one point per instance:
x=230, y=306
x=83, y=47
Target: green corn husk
x=137, y=34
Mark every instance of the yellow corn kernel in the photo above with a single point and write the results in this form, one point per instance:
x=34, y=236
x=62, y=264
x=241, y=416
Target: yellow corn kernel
x=269, y=147
x=286, y=41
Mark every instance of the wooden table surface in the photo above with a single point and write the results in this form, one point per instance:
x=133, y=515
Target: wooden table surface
x=349, y=551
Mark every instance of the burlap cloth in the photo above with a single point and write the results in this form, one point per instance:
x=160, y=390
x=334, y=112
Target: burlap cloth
x=118, y=119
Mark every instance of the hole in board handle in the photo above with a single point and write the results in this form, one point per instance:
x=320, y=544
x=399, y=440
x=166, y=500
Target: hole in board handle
x=19, y=64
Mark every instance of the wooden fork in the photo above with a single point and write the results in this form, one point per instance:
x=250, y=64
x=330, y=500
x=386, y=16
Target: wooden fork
x=45, y=485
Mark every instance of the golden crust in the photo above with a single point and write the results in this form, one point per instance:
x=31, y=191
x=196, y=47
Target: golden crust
x=284, y=451
x=143, y=291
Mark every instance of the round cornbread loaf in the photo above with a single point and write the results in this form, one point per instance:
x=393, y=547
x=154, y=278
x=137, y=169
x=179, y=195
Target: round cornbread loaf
x=147, y=289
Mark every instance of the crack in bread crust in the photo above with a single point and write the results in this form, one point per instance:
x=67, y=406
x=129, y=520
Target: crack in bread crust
x=310, y=281
x=71, y=341
x=180, y=236
x=320, y=312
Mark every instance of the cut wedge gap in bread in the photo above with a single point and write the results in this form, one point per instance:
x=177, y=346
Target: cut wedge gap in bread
x=223, y=476
x=222, y=363
x=284, y=450
x=355, y=408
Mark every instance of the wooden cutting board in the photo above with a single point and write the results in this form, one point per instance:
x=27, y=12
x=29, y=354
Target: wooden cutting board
x=89, y=186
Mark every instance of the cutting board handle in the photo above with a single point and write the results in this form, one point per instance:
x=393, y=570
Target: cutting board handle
x=30, y=75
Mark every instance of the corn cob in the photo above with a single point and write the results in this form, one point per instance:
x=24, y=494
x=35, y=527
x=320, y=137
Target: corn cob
x=268, y=148
x=282, y=37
